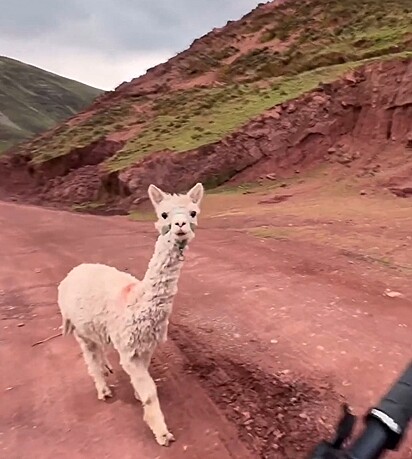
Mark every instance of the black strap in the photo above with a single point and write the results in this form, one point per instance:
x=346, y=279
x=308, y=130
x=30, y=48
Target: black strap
x=344, y=428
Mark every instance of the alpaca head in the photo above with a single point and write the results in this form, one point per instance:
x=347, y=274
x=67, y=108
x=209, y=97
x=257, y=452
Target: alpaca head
x=177, y=213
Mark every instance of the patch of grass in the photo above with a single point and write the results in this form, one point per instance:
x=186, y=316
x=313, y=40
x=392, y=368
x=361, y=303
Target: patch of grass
x=200, y=63
x=142, y=216
x=224, y=189
x=239, y=189
x=67, y=138
x=383, y=261
x=5, y=145
x=225, y=53
x=270, y=233
x=87, y=206
x=356, y=47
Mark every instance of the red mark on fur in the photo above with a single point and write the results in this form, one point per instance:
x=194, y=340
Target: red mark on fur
x=125, y=293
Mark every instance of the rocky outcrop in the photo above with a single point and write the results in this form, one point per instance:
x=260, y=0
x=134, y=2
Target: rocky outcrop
x=404, y=191
x=371, y=107
x=90, y=155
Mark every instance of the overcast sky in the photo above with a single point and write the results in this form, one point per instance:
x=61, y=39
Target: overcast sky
x=106, y=42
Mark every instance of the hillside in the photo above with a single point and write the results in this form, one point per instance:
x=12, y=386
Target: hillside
x=33, y=100
x=237, y=104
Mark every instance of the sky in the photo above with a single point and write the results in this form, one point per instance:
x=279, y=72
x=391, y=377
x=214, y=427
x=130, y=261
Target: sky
x=105, y=42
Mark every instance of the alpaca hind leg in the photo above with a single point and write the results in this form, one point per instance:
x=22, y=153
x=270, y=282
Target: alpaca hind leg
x=146, y=389
x=92, y=355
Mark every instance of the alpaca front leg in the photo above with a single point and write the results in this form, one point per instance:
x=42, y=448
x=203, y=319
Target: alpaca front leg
x=107, y=367
x=145, y=358
x=92, y=355
x=146, y=390
x=163, y=335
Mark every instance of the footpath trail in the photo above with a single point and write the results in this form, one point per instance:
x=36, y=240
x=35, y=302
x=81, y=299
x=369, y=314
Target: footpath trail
x=266, y=339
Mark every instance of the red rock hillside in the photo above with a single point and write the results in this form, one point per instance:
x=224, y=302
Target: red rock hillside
x=257, y=97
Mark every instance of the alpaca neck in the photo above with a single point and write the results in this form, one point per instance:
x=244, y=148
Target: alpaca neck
x=162, y=275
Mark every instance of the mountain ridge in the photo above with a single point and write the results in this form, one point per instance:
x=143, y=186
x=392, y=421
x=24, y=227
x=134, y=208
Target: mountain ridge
x=33, y=100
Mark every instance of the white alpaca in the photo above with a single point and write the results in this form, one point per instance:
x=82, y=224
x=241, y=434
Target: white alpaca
x=101, y=305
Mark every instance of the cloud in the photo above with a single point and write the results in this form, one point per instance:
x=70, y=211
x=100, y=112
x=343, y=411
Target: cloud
x=105, y=42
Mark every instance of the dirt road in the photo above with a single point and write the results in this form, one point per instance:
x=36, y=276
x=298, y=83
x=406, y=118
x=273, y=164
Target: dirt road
x=266, y=339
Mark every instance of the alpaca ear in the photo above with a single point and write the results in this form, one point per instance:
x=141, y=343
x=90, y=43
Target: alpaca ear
x=196, y=193
x=156, y=195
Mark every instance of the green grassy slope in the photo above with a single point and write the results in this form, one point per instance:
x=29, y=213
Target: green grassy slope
x=301, y=36
x=33, y=100
x=273, y=54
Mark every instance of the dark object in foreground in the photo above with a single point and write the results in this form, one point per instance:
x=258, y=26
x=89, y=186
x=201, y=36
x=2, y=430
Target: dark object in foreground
x=385, y=426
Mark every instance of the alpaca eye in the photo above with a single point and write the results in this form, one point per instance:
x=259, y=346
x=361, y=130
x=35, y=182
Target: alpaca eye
x=164, y=215
x=193, y=214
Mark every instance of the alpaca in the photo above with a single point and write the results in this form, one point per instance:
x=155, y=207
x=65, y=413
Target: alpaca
x=101, y=305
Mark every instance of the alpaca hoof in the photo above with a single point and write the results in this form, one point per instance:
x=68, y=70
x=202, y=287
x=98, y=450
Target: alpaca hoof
x=107, y=370
x=104, y=393
x=165, y=439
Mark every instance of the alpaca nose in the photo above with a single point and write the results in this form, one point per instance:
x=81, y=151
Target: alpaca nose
x=180, y=224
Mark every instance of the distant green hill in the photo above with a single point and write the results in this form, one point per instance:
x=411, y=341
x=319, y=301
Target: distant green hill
x=33, y=100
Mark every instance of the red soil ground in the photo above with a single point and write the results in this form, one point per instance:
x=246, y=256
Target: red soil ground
x=268, y=336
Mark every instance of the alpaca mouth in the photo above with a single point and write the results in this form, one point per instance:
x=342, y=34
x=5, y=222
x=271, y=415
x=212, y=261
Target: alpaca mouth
x=180, y=233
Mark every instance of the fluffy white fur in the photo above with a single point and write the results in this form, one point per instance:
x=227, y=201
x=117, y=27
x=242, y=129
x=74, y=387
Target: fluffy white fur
x=101, y=305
